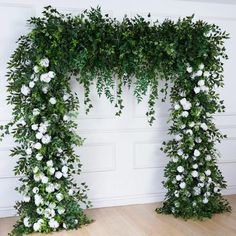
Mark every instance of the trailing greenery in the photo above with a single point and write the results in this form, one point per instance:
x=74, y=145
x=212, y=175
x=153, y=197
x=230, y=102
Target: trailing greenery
x=96, y=49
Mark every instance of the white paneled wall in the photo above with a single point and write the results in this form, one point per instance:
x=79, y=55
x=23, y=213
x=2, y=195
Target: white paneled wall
x=122, y=163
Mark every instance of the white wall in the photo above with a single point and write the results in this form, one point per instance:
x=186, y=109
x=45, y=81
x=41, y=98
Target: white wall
x=121, y=157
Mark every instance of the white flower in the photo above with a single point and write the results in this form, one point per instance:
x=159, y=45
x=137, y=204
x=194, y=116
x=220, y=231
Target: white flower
x=205, y=89
x=38, y=200
x=49, y=163
x=65, y=117
x=182, y=185
x=34, y=127
x=180, y=152
x=189, y=131
x=45, y=89
x=198, y=140
x=58, y=174
x=178, y=137
x=199, y=73
x=39, y=211
x=43, y=128
x=204, y=126
x=25, y=90
x=206, y=74
x=50, y=188
x=197, y=191
x=64, y=169
x=36, y=227
x=26, y=198
x=36, y=169
x=39, y=157
x=37, y=146
x=202, y=179
x=180, y=169
x=191, y=124
x=208, y=158
x=189, y=69
x=45, y=78
x=26, y=222
x=64, y=226
x=197, y=90
x=39, y=135
x=31, y=84
x=177, y=107
x=71, y=192
x=28, y=151
x=46, y=139
x=49, y=213
x=44, y=62
x=36, y=111
x=194, y=173
x=178, y=177
x=201, y=83
x=216, y=189
x=37, y=177
x=44, y=179
x=36, y=69
x=205, y=200
x=208, y=172
x=53, y=223
x=52, y=101
x=35, y=190
x=175, y=159
x=196, y=153
x=51, y=74
x=195, y=166
x=59, y=196
x=51, y=170
x=184, y=114
x=60, y=210
x=66, y=96
x=185, y=104
x=201, y=66
x=176, y=193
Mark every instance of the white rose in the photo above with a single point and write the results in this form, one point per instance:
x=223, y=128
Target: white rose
x=196, y=153
x=175, y=159
x=39, y=211
x=180, y=152
x=199, y=73
x=205, y=89
x=195, y=166
x=189, y=131
x=64, y=169
x=61, y=210
x=39, y=135
x=50, y=163
x=46, y=139
x=45, y=89
x=208, y=172
x=183, y=101
x=37, y=146
x=44, y=179
x=201, y=83
x=38, y=200
x=204, y=126
x=31, y=84
x=39, y=157
x=65, y=117
x=36, y=112
x=36, y=169
x=208, y=158
x=197, y=191
x=51, y=74
x=53, y=223
x=50, y=188
x=34, y=127
x=52, y=101
x=197, y=90
x=44, y=62
x=37, y=177
x=25, y=90
x=184, y=114
x=176, y=193
x=191, y=124
x=182, y=185
x=194, y=173
x=28, y=151
x=180, y=169
x=36, y=69
x=216, y=189
x=59, y=196
x=35, y=190
x=178, y=137
x=51, y=170
x=178, y=177
x=201, y=66
x=198, y=140
x=58, y=174
x=45, y=78
x=189, y=69
x=205, y=200
x=43, y=128
x=177, y=107
x=206, y=74
x=26, y=222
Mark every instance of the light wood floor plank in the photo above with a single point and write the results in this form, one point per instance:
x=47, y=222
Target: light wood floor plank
x=141, y=220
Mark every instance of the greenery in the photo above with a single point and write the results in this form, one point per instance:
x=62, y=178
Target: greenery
x=97, y=49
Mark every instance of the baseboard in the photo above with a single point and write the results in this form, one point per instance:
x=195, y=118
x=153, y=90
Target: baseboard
x=118, y=201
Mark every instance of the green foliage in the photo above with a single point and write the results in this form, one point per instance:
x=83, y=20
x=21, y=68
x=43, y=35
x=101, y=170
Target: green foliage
x=97, y=49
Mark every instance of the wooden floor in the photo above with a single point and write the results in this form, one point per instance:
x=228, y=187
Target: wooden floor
x=141, y=220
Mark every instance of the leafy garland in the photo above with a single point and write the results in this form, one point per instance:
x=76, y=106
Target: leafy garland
x=95, y=49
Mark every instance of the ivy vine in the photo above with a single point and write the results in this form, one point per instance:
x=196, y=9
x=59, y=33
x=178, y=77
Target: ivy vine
x=96, y=49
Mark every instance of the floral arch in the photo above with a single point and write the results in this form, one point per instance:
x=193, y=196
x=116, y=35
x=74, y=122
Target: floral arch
x=96, y=49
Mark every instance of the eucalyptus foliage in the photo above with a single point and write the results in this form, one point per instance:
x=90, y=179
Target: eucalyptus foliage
x=96, y=49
